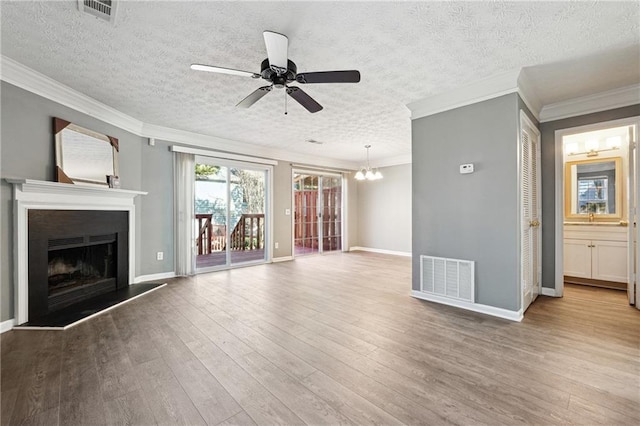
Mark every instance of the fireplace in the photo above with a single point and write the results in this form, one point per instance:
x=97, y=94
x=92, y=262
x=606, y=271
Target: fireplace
x=79, y=268
x=75, y=255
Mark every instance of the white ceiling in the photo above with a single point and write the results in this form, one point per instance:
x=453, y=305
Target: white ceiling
x=405, y=51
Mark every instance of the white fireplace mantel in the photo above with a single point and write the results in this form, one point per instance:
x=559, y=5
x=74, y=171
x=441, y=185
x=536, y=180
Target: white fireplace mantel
x=34, y=194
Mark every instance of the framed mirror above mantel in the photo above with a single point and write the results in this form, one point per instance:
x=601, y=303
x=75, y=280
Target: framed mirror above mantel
x=594, y=190
x=83, y=156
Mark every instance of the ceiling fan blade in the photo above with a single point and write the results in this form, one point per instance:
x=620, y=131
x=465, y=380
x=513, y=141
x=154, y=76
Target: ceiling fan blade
x=277, y=51
x=351, y=76
x=209, y=68
x=254, y=97
x=303, y=99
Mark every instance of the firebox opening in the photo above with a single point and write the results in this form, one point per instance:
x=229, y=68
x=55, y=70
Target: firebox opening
x=78, y=270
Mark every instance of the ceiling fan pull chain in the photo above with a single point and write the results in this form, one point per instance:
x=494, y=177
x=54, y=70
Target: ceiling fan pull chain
x=285, y=101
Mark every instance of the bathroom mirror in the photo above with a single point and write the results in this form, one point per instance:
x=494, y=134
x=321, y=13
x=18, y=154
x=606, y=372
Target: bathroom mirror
x=593, y=189
x=83, y=156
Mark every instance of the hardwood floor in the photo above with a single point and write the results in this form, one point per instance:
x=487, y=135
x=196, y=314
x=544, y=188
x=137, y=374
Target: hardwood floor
x=330, y=339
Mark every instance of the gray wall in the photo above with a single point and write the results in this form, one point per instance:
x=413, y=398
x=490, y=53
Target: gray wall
x=548, y=155
x=385, y=206
x=156, y=213
x=473, y=216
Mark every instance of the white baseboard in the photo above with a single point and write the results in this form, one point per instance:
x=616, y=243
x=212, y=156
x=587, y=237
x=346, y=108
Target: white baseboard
x=281, y=259
x=7, y=325
x=382, y=251
x=476, y=307
x=154, y=277
x=546, y=291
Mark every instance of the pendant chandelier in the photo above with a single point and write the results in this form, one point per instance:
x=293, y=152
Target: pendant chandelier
x=366, y=172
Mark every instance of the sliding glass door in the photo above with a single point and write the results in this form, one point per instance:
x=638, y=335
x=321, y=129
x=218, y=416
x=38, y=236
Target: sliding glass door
x=230, y=221
x=317, y=213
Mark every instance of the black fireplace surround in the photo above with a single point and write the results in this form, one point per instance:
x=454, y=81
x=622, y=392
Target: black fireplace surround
x=75, y=255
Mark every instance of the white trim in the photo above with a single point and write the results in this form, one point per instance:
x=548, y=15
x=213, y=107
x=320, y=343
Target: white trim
x=546, y=291
x=281, y=259
x=559, y=214
x=478, y=91
x=603, y=101
x=528, y=94
x=381, y=251
x=153, y=277
x=559, y=187
x=268, y=208
x=475, y=307
x=222, y=155
x=7, y=325
x=45, y=191
x=30, y=327
x=32, y=194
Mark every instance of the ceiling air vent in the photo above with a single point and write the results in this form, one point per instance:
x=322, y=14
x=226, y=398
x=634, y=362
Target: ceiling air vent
x=103, y=9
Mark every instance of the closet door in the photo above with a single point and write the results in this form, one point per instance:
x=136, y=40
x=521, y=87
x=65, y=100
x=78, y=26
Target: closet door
x=530, y=209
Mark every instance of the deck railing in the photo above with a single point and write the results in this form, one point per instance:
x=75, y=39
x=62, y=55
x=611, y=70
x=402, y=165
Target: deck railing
x=248, y=234
x=205, y=230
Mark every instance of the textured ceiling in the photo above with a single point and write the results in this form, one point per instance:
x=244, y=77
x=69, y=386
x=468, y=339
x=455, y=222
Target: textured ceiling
x=406, y=51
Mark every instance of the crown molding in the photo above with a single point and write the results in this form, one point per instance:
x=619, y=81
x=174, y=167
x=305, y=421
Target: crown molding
x=602, y=101
x=197, y=140
x=32, y=81
x=528, y=94
x=478, y=91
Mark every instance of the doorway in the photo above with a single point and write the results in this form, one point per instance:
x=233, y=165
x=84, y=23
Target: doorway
x=230, y=214
x=596, y=198
x=318, y=210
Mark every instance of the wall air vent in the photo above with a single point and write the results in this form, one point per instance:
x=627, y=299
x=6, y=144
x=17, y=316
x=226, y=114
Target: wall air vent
x=451, y=278
x=103, y=9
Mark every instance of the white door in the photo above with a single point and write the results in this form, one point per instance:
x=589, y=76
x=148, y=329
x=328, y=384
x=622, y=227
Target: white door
x=531, y=271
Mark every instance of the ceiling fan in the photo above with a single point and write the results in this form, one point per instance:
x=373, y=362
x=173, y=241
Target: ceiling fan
x=280, y=71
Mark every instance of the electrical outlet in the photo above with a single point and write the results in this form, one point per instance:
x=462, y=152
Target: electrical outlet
x=276, y=245
x=287, y=212
x=160, y=255
x=466, y=168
